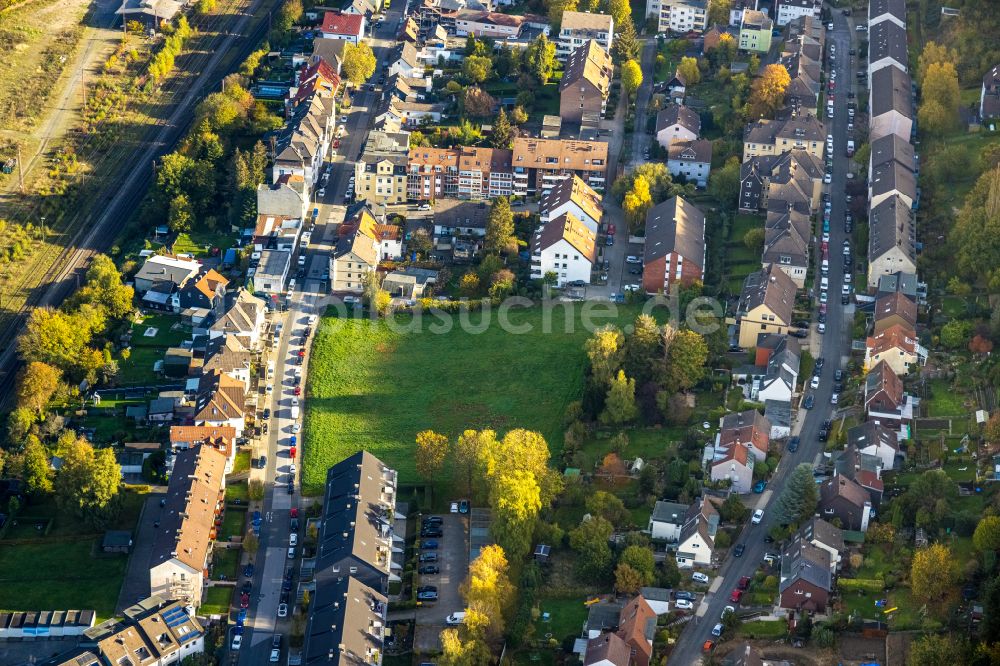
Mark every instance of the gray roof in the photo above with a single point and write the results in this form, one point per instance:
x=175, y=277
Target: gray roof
x=893, y=177
x=871, y=433
x=817, y=529
x=891, y=148
x=670, y=512
x=805, y=127
x=890, y=91
x=890, y=225
x=675, y=226
x=273, y=263
x=655, y=593
x=456, y=213
x=903, y=283
x=778, y=412
x=896, y=8
x=887, y=40
x=346, y=622
x=801, y=559
x=159, y=268
x=699, y=150
x=678, y=114
x=772, y=287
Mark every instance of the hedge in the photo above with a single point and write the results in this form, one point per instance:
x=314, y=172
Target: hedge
x=869, y=584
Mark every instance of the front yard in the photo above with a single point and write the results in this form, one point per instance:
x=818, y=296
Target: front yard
x=216, y=600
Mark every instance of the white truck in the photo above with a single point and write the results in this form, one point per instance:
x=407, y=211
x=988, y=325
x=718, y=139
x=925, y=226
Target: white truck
x=850, y=148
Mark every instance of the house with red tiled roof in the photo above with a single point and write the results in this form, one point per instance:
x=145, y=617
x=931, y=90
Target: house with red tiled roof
x=220, y=438
x=749, y=429
x=636, y=626
x=349, y=27
x=735, y=464
x=896, y=345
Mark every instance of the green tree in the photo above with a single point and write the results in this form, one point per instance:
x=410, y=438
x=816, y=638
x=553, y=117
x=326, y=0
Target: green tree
x=753, y=239
x=638, y=200
x=619, y=407
x=519, y=116
x=976, y=233
x=987, y=535
x=621, y=11
x=686, y=360
x=590, y=541
x=955, y=334
x=470, y=448
x=605, y=350
x=180, y=216
x=688, y=69
x=477, y=68
x=517, y=501
x=718, y=11
x=432, y=451
x=503, y=133
x=934, y=118
x=724, y=185
x=937, y=650
x=933, y=53
x=643, y=349
x=499, y=226
x=627, y=579
x=359, y=63
x=19, y=423
x=733, y=510
x=88, y=482
x=610, y=507
x=625, y=46
x=37, y=382
x=631, y=77
x=641, y=560
x=556, y=9
x=60, y=339
x=799, y=498
x=35, y=462
x=104, y=287
x=540, y=57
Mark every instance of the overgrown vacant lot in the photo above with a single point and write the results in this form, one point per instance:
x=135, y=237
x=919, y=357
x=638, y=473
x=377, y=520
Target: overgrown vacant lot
x=374, y=388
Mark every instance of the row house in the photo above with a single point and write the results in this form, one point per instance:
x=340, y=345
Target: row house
x=465, y=172
x=565, y=247
x=304, y=142
x=887, y=10
x=891, y=239
x=773, y=137
x=572, y=195
x=885, y=401
x=380, y=172
x=887, y=47
x=586, y=83
x=765, y=305
x=890, y=104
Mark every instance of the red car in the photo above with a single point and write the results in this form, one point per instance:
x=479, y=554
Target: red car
x=291, y=452
x=744, y=583
x=612, y=229
x=298, y=390
x=735, y=596
x=302, y=352
x=294, y=513
x=822, y=308
x=244, y=600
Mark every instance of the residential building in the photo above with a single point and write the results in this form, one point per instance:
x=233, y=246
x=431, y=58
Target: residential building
x=226, y=354
x=182, y=546
x=462, y=172
x=806, y=580
x=890, y=180
x=455, y=218
x=887, y=10
x=897, y=346
x=347, y=621
x=380, y=172
x=765, y=305
x=355, y=255
x=863, y=469
x=331, y=50
x=287, y=197
x=674, y=250
x=666, y=521
x=244, y=320
x=677, y=88
x=303, y=143
x=748, y=429
x=899, y=283
x=824, y=536
x=356, y=535
x=277, y=232
x=989, y=96
x=432, y=173
x=271, y=274
x=220, y=438
x=892, y=148
x=891, y=240
x=480, y=23
x=890, y=101
x=698, y=533
x=781, y=371
x=734, y=464
x=586, y=82
x=794, y=177
x=220, y=401
x=691, y=160
x=787, y=236
x=875, y=439
x=485, y=173
x=844, y=499
x=894, y=310
x=572, y=195
x=803, y=60
x=885, y=402
x=887, y=47
x=403, y=60
x=636, y=626
x=539, y=163
x=779, y=413
x=206, y=289
x=565, y=246
x=681, y=16
x=677, y=122
x=755, y=31
x=347, y=26
x=607, y=649
x=410, y=283
x=773, y=137
x=789, y=10
x=164, y=269
x=577, y=28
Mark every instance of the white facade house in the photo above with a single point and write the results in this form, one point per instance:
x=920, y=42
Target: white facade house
x=667, y=520
x=681, y=16
x=789, y=10
x=579, y=27
x=572, y=195
x=691, y=159
x=564, y=246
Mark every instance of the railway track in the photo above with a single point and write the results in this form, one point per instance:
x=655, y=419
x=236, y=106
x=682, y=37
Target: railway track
x=96, y=227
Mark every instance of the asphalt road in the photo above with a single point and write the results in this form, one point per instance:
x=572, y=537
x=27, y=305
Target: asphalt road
x=834, y=346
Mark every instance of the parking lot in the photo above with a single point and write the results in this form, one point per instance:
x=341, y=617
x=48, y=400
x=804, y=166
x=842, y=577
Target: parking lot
x=453, y=560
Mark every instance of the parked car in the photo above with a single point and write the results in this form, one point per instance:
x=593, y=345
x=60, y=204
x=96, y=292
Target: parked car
x=759, y=486
x=282, y=610
x=427, y=596
x=682, y=594
x=429, y=569
x=430, y=544
x=736, y=595
x=455, y=619
x=699, y=577
x=717, y=630
x=809, y=402
x=743, y=583
x=738, y=550
x=793, y=444
x=683, y=604
x=758, y=516
x=428, y=557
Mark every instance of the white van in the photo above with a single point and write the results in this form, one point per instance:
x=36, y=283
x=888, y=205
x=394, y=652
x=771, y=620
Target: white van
x=456, y=618
x=295, y=413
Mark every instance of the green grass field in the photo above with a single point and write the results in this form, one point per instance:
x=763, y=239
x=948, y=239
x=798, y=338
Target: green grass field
x=215, y=601
x=233, y=522
x=373, y=388
x=566, y=617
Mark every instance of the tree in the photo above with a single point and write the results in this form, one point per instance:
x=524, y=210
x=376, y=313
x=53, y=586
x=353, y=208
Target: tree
x=661, y=183
x=933, y=53
x=35, y=462
x=932, y=575
x=733, y=510
x=487, y=590
x=637, y=203
x=19, y=422
x=519, y=116
x=976, y=234
x=753, y=239
x=686, y=360
x=469, y=451
x=471, y=650
x=432, y=450
x=610, y=507
x=940, y=84
x=499, y=226
x=688, y=69
x=798, y=500
x=767, y=93
x=631, y=77
x=503, y=133
x=477, y=68
x=180, y=215
x=640, y=559
x=936, y=650
x=251, y=544
x=643, y=349
x=605, y=350
x=627, y=579
x=539, y=58
x=991, y=431
x=359, y=63
x=36, y=384
x=478, y=103
x=621, y=11
x=517, y=501
x=626, y=44
x=590, y=541
x=718, y=11
x=58, y=338
x=724, y=185
x=955, y=333
x=987, y=535
x=103, y=287
x=88, y=482
x=934, y=118
x=619, y=406
x=519, y=450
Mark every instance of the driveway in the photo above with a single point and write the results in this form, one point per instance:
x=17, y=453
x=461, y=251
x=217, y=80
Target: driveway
x=135, y=588
x=25, y=653
x=453, y=558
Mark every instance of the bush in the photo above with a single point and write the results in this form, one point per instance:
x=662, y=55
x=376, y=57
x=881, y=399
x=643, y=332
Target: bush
x=866, y=584
x=722, y=539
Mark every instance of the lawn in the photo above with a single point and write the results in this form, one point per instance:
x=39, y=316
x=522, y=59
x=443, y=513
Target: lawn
x=242, y=462
x=215, y=601
x=648, y=444
x=166, y=334
x=138, y=368
x=60, y=574
x=566, y=617
x=196, y=242
x=762, y=629
x=226, y=563
x=372, y=386
x=237, y=491
x=944, y=400
x=233, y=522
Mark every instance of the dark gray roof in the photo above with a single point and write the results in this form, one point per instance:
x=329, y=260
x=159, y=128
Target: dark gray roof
x=670, y=512
x=890, y=225
x=699, y=150
x=801, y=559
x=346, y=623
x=817, y=529
x=896, y=8
x=778, y=412
x=891, y=148
x=890, y=88
x=273, y=263
x=675, y=226
x=893, y=177
x=678, y=114
x=871, y=433
x=805, y=127
x=770, y=286
x=455, y=213
x=903, y=283
x=887, y=39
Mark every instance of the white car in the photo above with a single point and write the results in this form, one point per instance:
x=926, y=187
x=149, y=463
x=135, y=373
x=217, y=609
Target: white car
x=630, y=287
x=321, y=192
x=758, y=516
x=835, y=398
x=455, y=619
x=828, y=178
x=275, y=656
x=295, y=402
x=312, y=319
x=270, y=388
x=296, y=427
x=237, y=642
x=293, y=539
x=632, y=259
x=424, y=206
x=291, y=552
x=282, y=610
x=823, y=297
x=845, y=289
x=699, y=577
x=684, y=604
x=291, y=470
x=814, y=384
